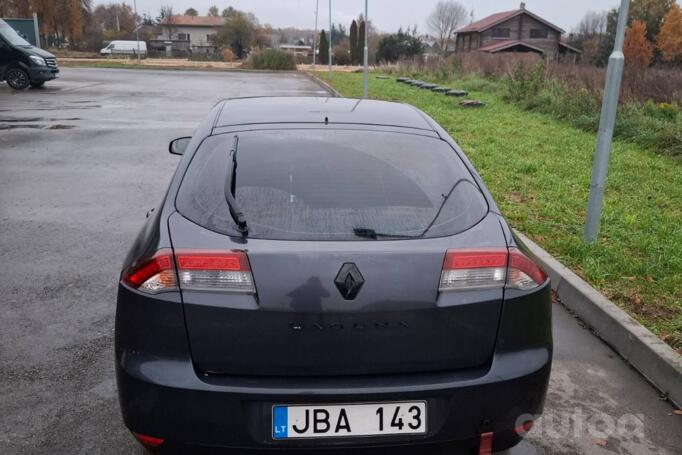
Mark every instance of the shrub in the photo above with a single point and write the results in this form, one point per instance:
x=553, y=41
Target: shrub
x=271, y=59
x=654, y=125
x=342, y=56
x=649, y=113
x=665, y=111
x=651, y=126
x=228, y=55
x=587, y=122
x=523, y=85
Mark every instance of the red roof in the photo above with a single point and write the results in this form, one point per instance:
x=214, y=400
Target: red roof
x=487, y=22
x=494, y=19
x=506, y=44
x=196, y=21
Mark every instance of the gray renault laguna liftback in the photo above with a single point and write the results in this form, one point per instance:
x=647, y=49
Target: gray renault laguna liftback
x=329, y=273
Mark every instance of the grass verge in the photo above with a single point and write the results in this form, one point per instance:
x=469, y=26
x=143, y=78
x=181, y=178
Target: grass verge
x=121, y=65
x=538, y=169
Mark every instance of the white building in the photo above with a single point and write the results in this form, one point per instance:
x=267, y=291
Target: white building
x=188, y=33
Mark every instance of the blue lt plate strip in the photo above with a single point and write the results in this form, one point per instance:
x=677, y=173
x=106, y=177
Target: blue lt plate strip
x=280, y=426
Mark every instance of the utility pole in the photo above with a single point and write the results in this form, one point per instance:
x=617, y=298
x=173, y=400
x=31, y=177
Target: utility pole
x=365, y=75
x=600, y=165
x=317, y=8
x=137, y=30
x=330, y=39
x=36, y=29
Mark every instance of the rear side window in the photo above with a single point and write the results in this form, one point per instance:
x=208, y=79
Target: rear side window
x=333, y=185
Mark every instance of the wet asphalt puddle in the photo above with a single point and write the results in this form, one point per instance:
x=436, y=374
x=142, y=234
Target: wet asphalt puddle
x=37, y=123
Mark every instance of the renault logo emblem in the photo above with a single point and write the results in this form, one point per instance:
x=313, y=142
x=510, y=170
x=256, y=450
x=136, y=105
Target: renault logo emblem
x=349, y=281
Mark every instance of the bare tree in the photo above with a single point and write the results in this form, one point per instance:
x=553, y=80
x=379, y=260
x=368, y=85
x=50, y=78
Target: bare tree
x=592, y=24
x=590, y=36
x=167, y=17
x=444, y=20
x=14, y=8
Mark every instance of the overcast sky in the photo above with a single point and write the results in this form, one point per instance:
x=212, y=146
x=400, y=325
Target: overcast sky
x=387, y=15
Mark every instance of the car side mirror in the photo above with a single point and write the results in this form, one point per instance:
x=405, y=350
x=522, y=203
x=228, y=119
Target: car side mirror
x=179, y=145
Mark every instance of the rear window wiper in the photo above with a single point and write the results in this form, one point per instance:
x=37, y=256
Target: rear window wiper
x=370, y=233
x=230, y=185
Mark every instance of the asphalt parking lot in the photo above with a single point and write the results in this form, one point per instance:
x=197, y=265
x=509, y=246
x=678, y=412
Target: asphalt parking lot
x=81, y=162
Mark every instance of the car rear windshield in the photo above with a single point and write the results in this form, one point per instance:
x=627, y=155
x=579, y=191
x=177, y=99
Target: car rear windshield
x=333, y=185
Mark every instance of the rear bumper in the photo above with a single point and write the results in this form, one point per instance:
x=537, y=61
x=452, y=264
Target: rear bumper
x=162, y=394
x=166, y=398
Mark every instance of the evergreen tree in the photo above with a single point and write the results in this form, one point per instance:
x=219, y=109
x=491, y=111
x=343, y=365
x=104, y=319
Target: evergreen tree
x=607, y=41
x=398, y=46
x=354, y=44
x=338, y=34
x=324, y=48
x=361, y=42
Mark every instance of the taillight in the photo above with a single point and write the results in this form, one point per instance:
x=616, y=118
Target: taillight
x=473, y=269
x=523, y=273
x=197, y=270
x=214, y=271
x=470, y=269
x=155, y=275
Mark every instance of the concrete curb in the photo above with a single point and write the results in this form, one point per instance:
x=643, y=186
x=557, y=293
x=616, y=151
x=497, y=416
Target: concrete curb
x=647, y=353
x=332, y=91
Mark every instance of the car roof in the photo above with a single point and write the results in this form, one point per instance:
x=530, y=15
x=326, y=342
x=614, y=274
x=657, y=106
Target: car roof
x=320, y=110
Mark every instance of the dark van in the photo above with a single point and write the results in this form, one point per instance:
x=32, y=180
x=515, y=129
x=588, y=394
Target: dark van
x=22, y=64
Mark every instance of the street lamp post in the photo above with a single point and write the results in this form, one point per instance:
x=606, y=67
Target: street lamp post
x=366, y=57
x=600, y=165
x=137, y=31
x=330, y=39
x=317, y=7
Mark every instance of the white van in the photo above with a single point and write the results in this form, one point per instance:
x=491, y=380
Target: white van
x=125, y=48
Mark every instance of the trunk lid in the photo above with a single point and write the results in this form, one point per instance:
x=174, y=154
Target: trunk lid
x=341, y=307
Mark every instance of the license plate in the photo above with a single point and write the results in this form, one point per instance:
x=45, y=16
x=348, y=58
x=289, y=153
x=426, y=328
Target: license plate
x=330, y=421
